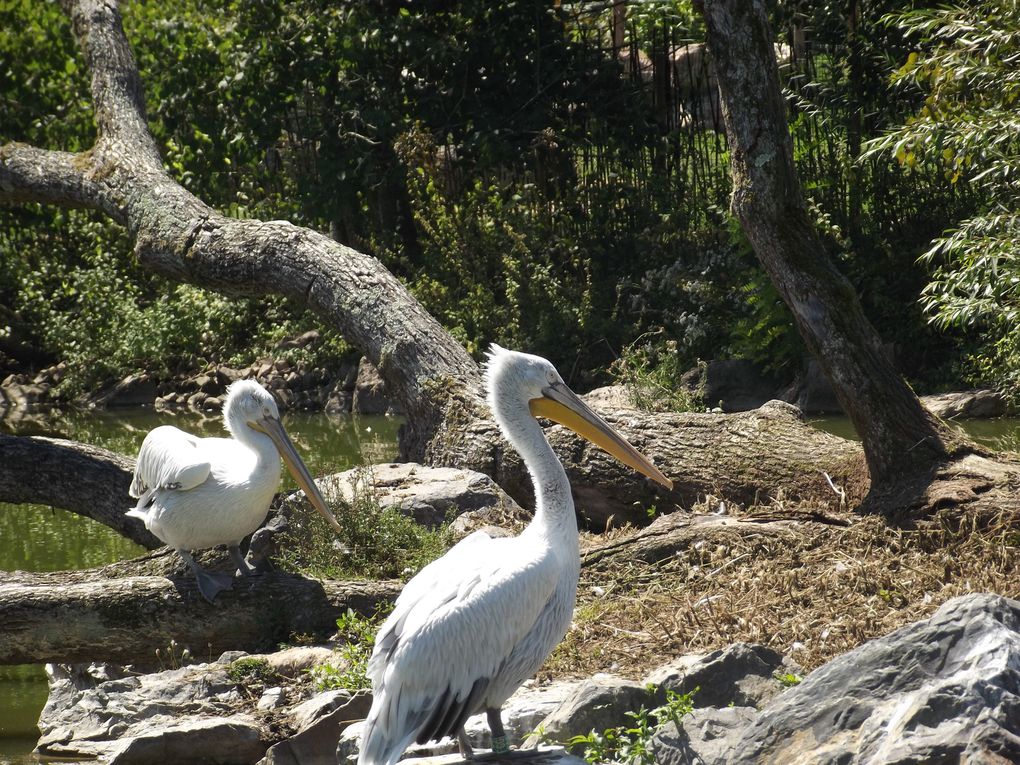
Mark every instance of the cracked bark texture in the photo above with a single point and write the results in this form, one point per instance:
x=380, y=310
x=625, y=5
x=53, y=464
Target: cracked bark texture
x=901, y=438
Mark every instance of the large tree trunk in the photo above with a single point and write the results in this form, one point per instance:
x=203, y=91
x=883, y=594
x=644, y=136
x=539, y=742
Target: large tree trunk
x=902, y=440
x=124, y=612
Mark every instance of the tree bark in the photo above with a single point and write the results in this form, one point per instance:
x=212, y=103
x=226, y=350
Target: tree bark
x=86, y=480
x=123, y=613
x=901, y=439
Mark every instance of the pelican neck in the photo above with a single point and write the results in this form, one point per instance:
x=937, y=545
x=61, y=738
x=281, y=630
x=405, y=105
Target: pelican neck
x=554, y=504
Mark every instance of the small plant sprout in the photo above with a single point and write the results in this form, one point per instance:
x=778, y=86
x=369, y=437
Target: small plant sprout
x=788, y=679
x=173, y=657
x=632, y=744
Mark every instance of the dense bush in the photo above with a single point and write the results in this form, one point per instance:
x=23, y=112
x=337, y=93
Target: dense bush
x=530, y=183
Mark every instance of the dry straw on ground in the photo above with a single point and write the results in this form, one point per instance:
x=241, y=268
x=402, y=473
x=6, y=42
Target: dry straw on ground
x=809, y=588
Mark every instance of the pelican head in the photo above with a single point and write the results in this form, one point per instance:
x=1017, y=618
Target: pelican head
x=518, y=382
x=250, y=407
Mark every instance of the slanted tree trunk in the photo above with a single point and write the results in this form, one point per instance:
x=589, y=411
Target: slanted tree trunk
x=179, y=236
x=903, y=442
x=86, y=480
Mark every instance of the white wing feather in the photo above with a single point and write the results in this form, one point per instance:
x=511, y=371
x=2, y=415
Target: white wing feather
x=169, y=459
x=454, y=625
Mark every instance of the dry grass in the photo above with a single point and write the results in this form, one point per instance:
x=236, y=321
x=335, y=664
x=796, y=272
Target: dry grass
x=812, y=590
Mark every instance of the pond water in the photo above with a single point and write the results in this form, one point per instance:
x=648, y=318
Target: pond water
x=38, y=538
x=1000, y=433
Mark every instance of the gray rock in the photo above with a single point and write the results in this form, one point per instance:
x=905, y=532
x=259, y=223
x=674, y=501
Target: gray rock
x=99, y=711
x=812, y=393
x=944, y=690
x=596, y=704
x=741, y=674
x=734, y=385
x=705, y=736
x=224, y=741
x=291, y=662
x=317, y=707
x=370, y=396
x=973, y=404
x=134, y=390
x=316, y=742
x=429, y=495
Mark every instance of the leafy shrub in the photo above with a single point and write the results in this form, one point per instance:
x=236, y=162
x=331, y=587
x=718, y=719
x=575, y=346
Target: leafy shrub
x=376, y=543
x=250, y=670
x=632, y=745
x=358, y=634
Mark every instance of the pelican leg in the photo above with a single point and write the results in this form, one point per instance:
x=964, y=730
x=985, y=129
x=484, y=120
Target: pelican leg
x=499, y=742
x=210, y=583
x=501, y=751
x=239, y=561
x=464, y=744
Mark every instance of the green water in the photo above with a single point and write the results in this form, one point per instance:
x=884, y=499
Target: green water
x=1000, y=433
x=38, y=538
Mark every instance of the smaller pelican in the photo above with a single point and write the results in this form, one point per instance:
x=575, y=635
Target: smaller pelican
x=195, y=493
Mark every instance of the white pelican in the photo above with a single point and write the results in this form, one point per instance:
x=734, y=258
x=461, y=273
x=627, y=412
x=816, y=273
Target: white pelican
x=195, y=492
x=473, y=625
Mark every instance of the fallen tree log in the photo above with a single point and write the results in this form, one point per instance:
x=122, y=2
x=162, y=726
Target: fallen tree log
x=745, y=458
x=123, y=613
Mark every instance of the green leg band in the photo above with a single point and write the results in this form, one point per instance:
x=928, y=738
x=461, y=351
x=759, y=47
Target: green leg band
x=500, y=745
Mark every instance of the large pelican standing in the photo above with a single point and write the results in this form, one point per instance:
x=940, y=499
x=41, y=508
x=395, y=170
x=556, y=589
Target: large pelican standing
x=476, y=623
x=195, y=493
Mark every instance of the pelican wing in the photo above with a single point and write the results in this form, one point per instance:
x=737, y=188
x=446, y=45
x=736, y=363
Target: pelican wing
x=169, y=459
x=452, y=629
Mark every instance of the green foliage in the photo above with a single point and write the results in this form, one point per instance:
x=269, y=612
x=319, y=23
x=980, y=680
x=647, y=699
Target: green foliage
x=651, y=369
x=250, y=670
x=497, y=157
x=964, y=66
x=788, y=679
x=358, y=634
x=376, y=543
x=632, y=744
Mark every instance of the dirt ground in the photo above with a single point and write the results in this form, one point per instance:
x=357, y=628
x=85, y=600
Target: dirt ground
x=810, y=582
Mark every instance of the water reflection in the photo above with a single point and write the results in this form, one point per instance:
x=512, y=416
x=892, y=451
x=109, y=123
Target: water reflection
x=39, y=538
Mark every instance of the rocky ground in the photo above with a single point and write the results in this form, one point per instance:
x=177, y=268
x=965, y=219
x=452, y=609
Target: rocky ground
x=806, y=635
x=943, y=689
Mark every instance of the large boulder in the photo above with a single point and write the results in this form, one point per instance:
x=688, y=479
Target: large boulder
x=740, y=674
x=942, y=690
x=430, y=495
x=704, y=737
x=970, y=404
x=189, y=715
x=370, y=395
x=733, y=385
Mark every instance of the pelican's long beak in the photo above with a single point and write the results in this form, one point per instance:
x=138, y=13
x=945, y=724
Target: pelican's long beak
x=560, y=404
x=273, y=428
